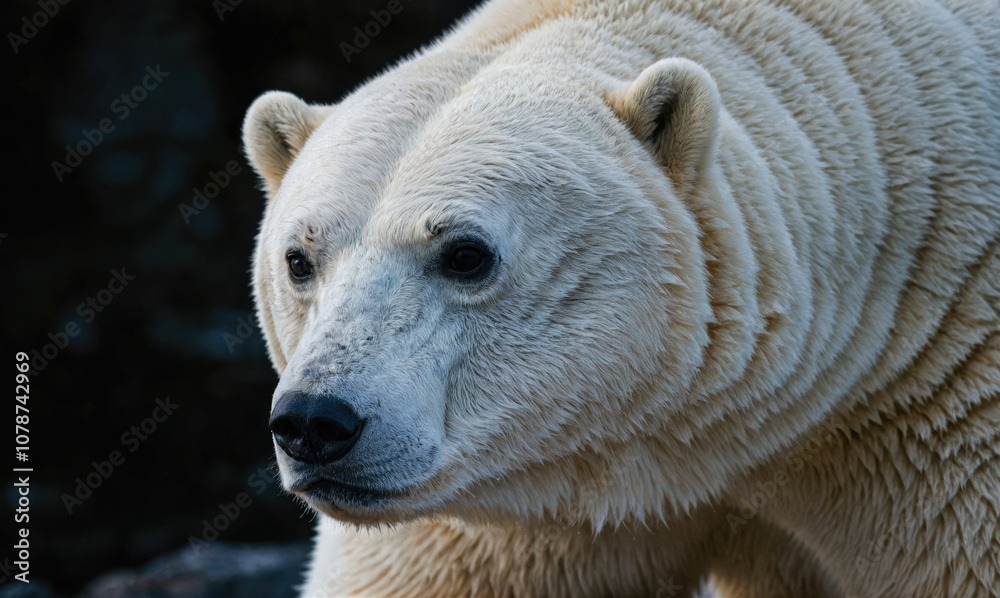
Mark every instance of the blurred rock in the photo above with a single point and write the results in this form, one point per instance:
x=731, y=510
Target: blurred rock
x=216, y=571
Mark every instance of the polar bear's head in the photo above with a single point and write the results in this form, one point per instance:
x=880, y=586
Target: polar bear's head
x=481, y=292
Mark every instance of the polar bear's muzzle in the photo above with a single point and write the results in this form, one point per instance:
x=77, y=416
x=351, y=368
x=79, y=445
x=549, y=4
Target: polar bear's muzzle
x=353, y=448
x=358, y=416
x=315, y=433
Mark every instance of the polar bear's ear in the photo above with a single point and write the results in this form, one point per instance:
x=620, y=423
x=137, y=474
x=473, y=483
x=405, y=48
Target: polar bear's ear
x=276, y=127
x=673, y=109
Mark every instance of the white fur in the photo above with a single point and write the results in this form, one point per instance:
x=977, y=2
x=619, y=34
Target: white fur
x=745, y=325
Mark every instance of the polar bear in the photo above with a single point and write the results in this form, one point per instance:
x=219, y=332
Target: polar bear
x=598, y=297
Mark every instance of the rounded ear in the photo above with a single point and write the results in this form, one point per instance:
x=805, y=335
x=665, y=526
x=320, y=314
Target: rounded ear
x=673, y=109
x=276, y=127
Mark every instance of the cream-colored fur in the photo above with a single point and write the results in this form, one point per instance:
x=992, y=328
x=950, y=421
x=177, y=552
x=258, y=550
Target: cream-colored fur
x=745, y=322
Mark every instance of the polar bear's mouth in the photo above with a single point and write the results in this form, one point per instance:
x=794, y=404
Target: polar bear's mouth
x=331, y=492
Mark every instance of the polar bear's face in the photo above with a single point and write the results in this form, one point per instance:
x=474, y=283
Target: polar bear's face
x=463, y=284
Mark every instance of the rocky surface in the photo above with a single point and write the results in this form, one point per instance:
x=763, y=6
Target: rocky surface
x=214, y=571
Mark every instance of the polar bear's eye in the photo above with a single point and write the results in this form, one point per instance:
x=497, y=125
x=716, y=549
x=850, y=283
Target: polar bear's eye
x=298, y=266
x=467, y=259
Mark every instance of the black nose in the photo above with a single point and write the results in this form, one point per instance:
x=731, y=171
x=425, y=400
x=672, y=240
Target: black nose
x=314, y=429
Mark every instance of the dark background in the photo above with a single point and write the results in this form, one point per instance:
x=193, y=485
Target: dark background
x=175, y=331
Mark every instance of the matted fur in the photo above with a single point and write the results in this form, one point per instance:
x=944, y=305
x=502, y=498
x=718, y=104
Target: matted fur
x=746, y=327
